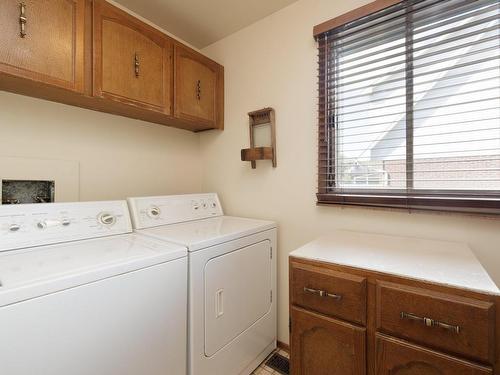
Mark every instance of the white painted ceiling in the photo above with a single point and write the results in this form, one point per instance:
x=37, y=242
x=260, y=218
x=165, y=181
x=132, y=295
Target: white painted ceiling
x=203, y=22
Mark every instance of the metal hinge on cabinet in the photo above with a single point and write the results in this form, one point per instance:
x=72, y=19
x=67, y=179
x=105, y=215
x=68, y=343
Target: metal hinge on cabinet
x=290, y=325
x=271, y=253
x=271, y=296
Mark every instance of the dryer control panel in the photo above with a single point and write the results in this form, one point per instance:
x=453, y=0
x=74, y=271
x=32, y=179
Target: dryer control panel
x=27, y=225
x=150, y=212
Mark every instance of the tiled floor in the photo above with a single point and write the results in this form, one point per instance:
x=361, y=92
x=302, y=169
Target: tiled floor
x=264, y=370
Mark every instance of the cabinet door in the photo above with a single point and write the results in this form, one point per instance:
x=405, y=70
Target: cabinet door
x=49, y=47
x=395, y=357
x=325, y=346
x=197, y=87
x=132, y=61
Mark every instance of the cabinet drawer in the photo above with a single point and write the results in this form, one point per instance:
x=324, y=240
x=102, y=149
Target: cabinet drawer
x=329, y=292
x=395, y=357
x=452, y=323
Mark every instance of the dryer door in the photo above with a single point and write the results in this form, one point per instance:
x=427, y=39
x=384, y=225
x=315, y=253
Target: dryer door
x=237, y=293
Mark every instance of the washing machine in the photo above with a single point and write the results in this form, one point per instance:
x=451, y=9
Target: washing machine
x=232, y=279
x=81, y=294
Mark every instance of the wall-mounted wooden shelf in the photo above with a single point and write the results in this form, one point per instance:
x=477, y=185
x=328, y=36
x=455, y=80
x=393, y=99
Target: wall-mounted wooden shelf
x=261, y=117
x=257, y=153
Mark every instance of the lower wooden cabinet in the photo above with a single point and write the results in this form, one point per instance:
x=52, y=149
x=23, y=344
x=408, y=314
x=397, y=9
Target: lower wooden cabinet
x=348, y=321
x=326, y=346
x=395, y=357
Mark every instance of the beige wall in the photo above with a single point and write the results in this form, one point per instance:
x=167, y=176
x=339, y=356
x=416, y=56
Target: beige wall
x=117, y=156
x=273, y=63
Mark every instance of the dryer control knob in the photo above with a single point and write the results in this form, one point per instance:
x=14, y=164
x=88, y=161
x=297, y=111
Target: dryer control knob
x=154, y=212
x=105, y=218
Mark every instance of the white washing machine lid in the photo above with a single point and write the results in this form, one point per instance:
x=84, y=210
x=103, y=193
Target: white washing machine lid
x=34, y=272
x=200, y=234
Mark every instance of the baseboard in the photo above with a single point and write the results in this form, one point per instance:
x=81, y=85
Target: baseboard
x=260, y=358
x=284, y=346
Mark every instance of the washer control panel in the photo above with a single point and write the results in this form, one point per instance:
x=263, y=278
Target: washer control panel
x=27, y=225
x=150, y=212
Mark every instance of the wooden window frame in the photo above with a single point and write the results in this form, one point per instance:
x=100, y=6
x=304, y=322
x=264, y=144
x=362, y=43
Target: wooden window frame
x=437, y=200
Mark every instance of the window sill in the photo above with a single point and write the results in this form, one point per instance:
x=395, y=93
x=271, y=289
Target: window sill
x=474, y=205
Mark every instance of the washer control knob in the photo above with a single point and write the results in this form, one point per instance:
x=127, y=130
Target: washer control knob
x=65, y=222
x=154, y=212
x=196, y=205
x=14, y=227
x=105, y=218
x=42, y=224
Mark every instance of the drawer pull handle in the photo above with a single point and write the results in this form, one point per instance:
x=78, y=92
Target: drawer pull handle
x=137, y=65
x=430, y=322
x=22, y=19
x=323, y=293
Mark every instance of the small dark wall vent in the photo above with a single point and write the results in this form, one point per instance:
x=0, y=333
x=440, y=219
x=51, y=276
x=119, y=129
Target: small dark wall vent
x=27, y=191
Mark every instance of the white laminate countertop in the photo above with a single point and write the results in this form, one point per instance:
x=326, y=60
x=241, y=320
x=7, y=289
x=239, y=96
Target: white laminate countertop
x=448, y=263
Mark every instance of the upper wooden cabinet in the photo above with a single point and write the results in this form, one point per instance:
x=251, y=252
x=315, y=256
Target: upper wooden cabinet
x=132, y=60
x=94, y=55
x=198, y=88
x=43, y=41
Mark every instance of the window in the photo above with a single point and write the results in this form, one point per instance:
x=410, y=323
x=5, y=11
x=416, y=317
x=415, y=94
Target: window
x=409, y=106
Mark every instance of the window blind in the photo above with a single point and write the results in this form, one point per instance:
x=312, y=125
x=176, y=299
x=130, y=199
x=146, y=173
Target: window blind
x=409, y=107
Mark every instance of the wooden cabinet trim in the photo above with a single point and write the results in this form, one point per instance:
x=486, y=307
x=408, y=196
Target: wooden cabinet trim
x=329, y=272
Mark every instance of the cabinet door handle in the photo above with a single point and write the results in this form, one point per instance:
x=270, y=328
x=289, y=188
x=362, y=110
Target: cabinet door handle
x=430, y=322
x=22, y=19
x=198, y=89
x=137, y=65
x=322, y=293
